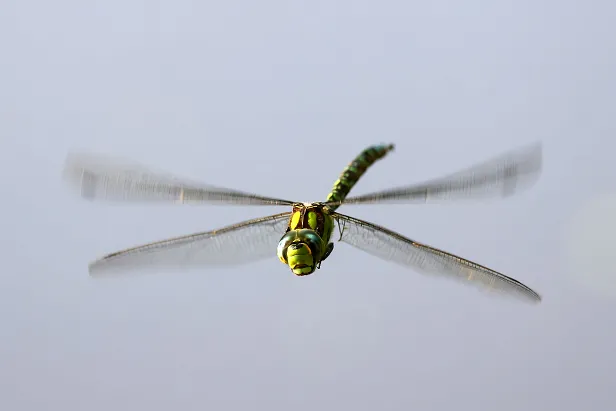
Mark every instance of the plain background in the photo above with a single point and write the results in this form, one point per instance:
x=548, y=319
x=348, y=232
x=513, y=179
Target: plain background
x=276, y=97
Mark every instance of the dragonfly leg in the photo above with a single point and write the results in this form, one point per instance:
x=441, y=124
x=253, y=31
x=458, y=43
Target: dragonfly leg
x=341, y=228
x=328, y=251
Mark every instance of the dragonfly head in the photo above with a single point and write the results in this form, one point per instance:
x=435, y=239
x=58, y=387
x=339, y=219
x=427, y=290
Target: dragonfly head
x=301, y=250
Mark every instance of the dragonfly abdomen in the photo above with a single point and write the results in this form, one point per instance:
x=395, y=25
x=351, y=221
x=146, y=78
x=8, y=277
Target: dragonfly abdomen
x=355, y=169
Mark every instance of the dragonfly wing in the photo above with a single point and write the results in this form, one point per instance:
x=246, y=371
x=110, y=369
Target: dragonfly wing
x=241, y=243
x=391, y=246
x=99, y=177
x=501, y=176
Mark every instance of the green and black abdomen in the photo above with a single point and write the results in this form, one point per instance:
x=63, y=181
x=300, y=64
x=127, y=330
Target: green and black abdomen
x=352, y=172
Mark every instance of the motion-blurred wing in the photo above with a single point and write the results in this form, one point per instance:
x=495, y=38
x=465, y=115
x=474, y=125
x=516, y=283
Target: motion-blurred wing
x=241, y=243
x=112, y=179
x=391, y=246
x=501, y=176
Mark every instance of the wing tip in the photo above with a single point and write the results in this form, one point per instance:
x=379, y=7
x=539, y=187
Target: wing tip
x=96, y=269
x=531, y=155
x=77, y=165
x=536, y=298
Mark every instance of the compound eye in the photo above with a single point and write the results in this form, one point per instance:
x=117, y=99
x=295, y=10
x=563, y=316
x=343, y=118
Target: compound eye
x=313, y=241
x=283, y=244
x=304, y=236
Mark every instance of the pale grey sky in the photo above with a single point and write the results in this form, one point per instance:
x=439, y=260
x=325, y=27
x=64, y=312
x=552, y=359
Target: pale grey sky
x=276, y=97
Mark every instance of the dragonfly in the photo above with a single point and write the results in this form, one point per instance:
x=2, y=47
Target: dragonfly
x=304, y=235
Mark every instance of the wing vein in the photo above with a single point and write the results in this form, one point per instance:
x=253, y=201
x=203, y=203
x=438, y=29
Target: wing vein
x=389, y=245
x=236, y=244
x=501, y=176
x=112, y=179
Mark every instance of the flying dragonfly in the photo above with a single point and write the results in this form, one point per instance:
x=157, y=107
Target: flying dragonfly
x=304, y=236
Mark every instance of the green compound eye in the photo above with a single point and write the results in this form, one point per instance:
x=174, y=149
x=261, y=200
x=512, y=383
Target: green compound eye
x=291, y=241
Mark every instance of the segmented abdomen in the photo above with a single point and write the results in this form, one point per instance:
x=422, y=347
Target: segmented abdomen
x=352, y=172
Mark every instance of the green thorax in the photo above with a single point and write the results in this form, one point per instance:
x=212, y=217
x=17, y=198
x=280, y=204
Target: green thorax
x=354, y=170
x=314, y=217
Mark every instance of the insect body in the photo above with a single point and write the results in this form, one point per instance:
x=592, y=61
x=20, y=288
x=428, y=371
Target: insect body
x=306, y=244
x=304, y=235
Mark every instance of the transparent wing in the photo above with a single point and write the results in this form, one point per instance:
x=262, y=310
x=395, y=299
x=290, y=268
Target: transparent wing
x=241, y=243
x=501, y=176
x=391, y=246
x=107, y=178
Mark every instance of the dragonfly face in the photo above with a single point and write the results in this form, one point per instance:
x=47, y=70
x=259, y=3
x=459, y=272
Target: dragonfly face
x=301, y=250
